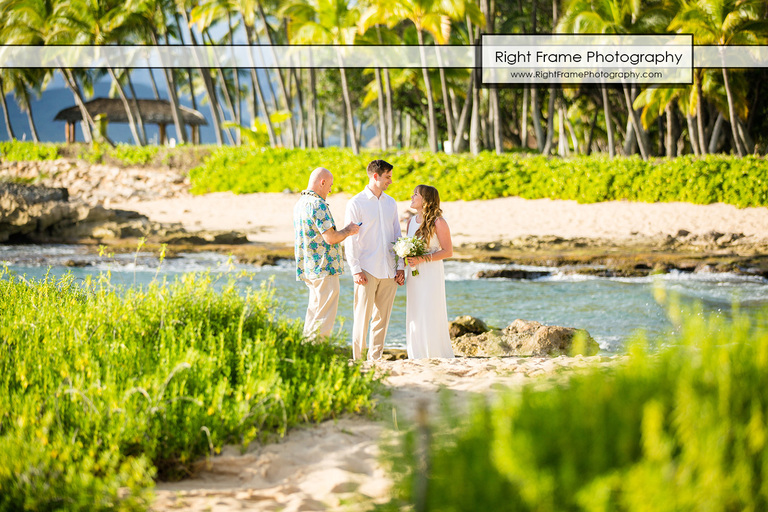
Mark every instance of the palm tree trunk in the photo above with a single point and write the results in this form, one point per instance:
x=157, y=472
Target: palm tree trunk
x=390, y=110
x=380, y=102
x=280, y=80
x=474, y=123
x=313, y=134
x=588, y=149
x=636, y=126
x=700, y=114
x=207, y=81
x=746, y=140
x=524, y=120
x=461, y=127
x=302, y=133
x=30, y=118
x=139, y=117
x=152, y=80
x=236, y=76
x=170, y=83
x=6, y=116
x=224, y=91
x=669, y=140
x=87, y=121
x=474, y=118
x=350, y=120
x=258, y=94
x=716, y=132
x=733, y=117
x=692, y=137
x=608, y=123
x=550, y=121
x=536, y=118
x=128, y=112
x=571, y=132
x=432, y=127
x=446, y=104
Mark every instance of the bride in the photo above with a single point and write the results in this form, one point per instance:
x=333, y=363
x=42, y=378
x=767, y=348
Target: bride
x=426, y=316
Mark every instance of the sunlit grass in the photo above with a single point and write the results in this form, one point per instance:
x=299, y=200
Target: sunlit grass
x=103, y=389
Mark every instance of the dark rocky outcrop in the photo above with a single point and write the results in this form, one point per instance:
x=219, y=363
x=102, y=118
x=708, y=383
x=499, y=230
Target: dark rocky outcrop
x=513, y=274
x=526, y=338
x=38, y=214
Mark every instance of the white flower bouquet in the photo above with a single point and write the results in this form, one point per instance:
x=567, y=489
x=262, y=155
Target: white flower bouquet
x=409, y=246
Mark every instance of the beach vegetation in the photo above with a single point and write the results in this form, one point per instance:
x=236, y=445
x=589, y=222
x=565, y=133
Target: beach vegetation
x=682, y=427
x=586, y=179
x=103, y=390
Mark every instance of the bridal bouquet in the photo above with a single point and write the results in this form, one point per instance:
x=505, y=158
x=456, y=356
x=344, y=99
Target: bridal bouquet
x=409, y=246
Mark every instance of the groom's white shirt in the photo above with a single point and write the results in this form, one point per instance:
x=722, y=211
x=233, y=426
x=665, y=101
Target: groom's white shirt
x=371, y=249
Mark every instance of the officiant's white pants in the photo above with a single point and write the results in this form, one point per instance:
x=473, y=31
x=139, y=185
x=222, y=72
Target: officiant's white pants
x=373, y=302
x=322, y=307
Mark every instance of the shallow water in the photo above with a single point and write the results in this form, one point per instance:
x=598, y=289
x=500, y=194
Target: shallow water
x=611, y=309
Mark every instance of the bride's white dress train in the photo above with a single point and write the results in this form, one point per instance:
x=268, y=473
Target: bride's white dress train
x=426, y=315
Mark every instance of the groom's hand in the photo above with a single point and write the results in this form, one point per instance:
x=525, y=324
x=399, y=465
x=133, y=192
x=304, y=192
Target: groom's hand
x=360, y=278
x=400, y=277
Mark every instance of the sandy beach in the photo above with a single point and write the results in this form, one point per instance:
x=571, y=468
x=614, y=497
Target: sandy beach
x=268, y=217
x=335, y=465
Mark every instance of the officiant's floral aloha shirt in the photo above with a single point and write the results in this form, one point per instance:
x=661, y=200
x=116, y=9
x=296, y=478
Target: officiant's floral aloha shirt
x=315, y=258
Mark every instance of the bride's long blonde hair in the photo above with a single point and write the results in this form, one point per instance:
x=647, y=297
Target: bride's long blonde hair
x=430, y=213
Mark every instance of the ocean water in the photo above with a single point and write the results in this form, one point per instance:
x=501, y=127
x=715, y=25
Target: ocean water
x=611, y=309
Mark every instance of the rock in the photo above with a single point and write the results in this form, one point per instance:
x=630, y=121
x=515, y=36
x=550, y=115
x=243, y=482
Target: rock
x=466, y=324
x=230, y=238
x=526, y=338
x=394, y=354
x=487, y=344
x=512, y=274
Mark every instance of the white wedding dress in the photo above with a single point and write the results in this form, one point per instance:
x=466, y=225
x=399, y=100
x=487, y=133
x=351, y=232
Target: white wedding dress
x=426, y=315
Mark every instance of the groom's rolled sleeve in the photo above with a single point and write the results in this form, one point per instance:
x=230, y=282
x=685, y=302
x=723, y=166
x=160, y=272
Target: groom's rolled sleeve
x=398, y=233
x=351, y=251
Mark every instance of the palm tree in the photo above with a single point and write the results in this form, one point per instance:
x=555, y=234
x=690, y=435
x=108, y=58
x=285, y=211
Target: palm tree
x=327, y=22
x=100, y=22
x=153, y=24
x=724, y=22
x=616, y=17
x=6, y=116
x=425, y=16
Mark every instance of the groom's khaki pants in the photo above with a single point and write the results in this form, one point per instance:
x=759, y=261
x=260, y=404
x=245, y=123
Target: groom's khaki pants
x=374, y=298
x=322, y=306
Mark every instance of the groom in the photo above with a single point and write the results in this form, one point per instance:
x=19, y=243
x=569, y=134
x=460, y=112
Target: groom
x=371, y=257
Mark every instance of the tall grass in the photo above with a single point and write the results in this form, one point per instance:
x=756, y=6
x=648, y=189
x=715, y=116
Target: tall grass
x=102, y=390
x=681, y=429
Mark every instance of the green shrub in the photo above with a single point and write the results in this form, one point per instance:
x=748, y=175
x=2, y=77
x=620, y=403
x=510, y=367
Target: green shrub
x=133, y=155
x=682, y=429
x=19, y=151
x=101, y=389
x=715, y=178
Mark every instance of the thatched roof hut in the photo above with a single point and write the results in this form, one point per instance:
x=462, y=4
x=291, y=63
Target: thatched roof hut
x=157, y=112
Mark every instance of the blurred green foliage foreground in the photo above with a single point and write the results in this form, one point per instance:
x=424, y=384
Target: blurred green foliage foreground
x=681, y=428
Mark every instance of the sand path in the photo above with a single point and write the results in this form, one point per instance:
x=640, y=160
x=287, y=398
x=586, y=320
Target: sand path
x=335, y=465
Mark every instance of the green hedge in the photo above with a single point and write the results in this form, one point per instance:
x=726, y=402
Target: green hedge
x=101, y=389
x=17, y=151
x=715, y=178
x=683, y=429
